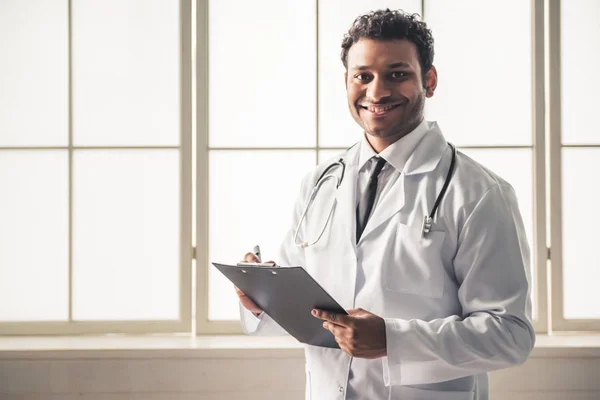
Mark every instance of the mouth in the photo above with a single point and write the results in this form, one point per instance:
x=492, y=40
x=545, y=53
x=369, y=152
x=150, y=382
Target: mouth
x=379, y=110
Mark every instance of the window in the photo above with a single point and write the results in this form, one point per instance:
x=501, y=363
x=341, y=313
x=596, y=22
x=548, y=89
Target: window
x=95, y=166
x=485, y=104
x=574, y=151
x=290, y=111
x=470, y=106
x=128, y=130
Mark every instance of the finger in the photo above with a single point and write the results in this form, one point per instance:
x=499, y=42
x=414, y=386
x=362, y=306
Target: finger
x=251, y=257
x=336, y=330
x=249, y=304
x=338, y=319
x=337, y=333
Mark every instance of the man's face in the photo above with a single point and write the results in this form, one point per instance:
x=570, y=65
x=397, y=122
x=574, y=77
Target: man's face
x=385, y=87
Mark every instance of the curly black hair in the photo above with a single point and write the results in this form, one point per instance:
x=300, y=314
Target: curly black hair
x=388, y=25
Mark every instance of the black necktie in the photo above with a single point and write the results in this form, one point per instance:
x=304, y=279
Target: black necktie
x=365, y=205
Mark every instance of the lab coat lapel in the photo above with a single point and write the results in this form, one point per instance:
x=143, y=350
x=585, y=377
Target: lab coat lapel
x=424, y=159
x=428, y=153
x=390, y=204
x=346, y=197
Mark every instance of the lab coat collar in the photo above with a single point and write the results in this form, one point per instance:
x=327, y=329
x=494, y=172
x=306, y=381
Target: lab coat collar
x=424, y=158
x=396, y=154
x=428, y=152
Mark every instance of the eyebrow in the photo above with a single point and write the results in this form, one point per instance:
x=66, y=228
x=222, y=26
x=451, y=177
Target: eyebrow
x=390, y=66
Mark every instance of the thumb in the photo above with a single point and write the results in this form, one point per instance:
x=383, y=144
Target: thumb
x=250, y=257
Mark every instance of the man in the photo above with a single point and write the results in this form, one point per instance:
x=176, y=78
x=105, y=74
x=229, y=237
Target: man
x=429, y=314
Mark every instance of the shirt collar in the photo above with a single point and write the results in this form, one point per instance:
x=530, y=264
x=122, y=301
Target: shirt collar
x=396, y=154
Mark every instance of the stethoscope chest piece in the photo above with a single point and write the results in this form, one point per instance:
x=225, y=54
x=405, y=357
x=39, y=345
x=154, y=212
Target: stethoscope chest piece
x=427, y=221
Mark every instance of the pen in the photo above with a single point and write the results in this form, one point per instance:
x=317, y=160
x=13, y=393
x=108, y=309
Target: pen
x=257, y=253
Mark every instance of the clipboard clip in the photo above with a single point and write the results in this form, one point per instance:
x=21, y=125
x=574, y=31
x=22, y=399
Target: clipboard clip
x=260, y=265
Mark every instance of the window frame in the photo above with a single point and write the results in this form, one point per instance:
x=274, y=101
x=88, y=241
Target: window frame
x=539, y=248
x=185, y=153
x=559, y=322
x=203, y=324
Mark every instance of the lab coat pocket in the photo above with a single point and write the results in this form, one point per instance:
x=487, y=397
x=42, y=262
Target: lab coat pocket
x=415, y=264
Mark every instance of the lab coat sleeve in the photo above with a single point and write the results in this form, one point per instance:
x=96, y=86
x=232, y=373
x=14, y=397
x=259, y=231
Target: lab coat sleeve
x=494, y=330
x=289, y=255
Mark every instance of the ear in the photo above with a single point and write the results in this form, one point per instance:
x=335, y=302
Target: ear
x=346, y=79
x=431, y=80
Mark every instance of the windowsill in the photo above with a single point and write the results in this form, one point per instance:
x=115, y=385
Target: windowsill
x=151, y=346
x=225, y=346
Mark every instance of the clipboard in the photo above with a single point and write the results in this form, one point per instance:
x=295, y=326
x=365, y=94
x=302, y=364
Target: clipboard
x=287, y=294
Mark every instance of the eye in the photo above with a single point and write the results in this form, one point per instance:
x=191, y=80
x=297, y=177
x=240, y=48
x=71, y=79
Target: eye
x=363, y=77
x=399, y=75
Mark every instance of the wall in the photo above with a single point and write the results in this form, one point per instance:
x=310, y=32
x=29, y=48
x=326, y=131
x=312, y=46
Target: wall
x=207, y=373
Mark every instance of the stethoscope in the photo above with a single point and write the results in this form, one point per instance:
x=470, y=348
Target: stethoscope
x=327, y=174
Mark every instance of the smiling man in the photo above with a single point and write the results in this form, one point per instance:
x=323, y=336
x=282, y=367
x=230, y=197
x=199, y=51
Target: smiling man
x=423, y=247
x=385, y=84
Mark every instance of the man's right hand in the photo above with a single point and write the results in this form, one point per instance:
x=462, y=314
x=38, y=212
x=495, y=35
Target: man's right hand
x=248, y=303
x=245, y=300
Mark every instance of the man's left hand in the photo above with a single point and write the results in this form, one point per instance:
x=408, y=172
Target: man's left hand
x=360, y=334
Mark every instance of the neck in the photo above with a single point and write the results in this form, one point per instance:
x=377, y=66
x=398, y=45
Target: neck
x=381, y=143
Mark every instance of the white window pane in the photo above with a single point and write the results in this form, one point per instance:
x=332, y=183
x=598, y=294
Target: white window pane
x=262, y=82
x=581, y=260
x=484, y=68
x=34, y=73
x=126, y=60
x=514, y=166
x=252, y=195
x=126, y=242
x=580, y=63
x=34, y=235
x=336, y=126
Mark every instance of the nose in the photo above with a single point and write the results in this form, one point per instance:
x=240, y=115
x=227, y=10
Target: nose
x=378, y=89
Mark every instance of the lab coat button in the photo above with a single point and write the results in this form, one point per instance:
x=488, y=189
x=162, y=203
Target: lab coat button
x=341, y=389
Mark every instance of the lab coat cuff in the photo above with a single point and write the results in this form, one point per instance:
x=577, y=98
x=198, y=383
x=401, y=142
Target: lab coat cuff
x=249, y=321
x=392, y=363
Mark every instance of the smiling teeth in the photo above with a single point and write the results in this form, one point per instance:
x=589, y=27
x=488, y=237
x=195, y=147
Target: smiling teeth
x=381, y=109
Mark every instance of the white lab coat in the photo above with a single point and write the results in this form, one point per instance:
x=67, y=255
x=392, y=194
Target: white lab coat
x=456, y=303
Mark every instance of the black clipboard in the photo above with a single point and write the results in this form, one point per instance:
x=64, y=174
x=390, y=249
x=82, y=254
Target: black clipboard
x=287, y=294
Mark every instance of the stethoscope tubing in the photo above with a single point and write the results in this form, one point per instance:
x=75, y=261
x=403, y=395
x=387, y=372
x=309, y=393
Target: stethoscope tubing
x=427, y=221
x=442, y=193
